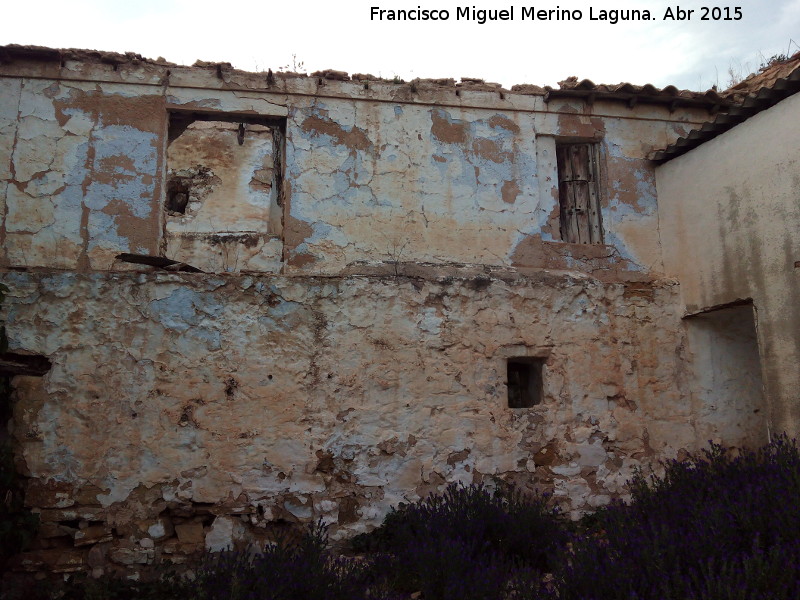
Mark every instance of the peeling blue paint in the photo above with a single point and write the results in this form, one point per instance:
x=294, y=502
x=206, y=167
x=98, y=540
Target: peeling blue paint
x=113, y=141
x=341, y=182
x=60, y=285
x=128, y=156
x=184, y=308
x=646, y=194
x=103, y=231
x=127, y=188
x=285, y=316
x=77, y=174
x=69, y=204
x=611, y=238
x=121, y=143
x=487, y=182
x=321, y=231
x=614, y=150
x=185, y=311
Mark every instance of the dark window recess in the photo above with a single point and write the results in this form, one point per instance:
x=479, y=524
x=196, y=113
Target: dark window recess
x=524, y=382
x=177, y=195
x=578, y=193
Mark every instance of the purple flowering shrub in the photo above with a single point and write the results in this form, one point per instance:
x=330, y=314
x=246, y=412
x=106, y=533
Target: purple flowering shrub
x=287, y=570
x=713, y=527
x=467, y=543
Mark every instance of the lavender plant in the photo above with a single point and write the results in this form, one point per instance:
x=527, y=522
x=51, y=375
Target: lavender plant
x=468, y=543
x=302, y=570
x=712, y=527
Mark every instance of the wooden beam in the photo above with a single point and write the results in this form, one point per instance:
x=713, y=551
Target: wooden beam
x=159, y=262
x=12, y=363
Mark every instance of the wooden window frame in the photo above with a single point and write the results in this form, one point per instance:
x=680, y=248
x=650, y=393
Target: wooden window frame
x=578, y=166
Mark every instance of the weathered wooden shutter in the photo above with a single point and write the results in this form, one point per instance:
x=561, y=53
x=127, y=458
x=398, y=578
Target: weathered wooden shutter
x=578, y=195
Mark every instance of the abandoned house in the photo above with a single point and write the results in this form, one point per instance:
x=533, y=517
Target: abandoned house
x=239, y=299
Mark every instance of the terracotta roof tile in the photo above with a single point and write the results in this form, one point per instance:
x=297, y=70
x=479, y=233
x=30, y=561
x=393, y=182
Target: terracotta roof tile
x=569, y=88
x=766, y=78
x=633, y=94
x=647, y=89
x=758, y=92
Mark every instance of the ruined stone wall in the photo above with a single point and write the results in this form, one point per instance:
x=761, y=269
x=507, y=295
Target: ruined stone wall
x=405, y=182
x=375, y=255
x=188, y=411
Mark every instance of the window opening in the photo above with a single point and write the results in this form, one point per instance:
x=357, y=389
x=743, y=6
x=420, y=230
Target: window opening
x=579, y=198
x=525, y=381
x=223, y=200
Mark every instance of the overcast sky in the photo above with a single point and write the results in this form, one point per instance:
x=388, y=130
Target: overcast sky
x=320, y=34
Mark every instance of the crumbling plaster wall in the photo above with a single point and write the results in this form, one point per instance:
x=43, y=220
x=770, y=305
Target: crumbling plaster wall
x=177, y=400
x=730, y=213
x=81, y=172
x=377, y=172
x=403, y=182
x=185, y=412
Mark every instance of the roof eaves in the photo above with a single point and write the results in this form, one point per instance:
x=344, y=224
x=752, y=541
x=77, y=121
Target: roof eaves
x=752, y=105
x=648, y=94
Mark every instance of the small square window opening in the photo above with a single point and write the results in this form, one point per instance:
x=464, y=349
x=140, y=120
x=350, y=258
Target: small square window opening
x=525, y=381
x=578, y=193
